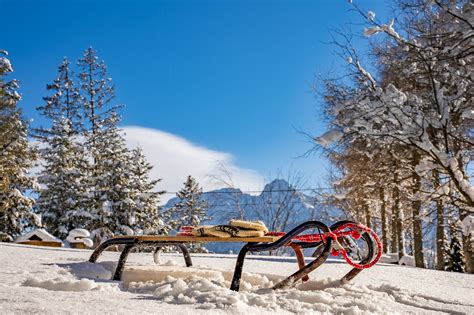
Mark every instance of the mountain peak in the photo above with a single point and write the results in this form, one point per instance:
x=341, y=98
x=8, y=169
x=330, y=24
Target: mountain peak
x=276, y=185
x=229, y=190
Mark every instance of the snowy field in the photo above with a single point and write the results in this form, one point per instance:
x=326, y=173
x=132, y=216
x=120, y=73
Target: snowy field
x=53, y=280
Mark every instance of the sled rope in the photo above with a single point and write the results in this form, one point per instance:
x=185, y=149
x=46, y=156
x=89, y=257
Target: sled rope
x=354, y=230
x=340, y=250
x=372, y=234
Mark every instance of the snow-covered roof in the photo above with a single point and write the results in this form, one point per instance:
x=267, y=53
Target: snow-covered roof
x=42, y=234
x=80, y=236
x=78, y=233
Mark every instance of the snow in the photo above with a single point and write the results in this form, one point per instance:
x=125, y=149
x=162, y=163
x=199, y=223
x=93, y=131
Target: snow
x=339, y=196
x=467, y=226
x=329, y=137
x=366, y=74
x=55, y=280
x=390, y=258
x=387, y=28
x=79, y=233
x=371, y=16
x=36, y=219
x=5, y=65
x=407, y=261
x=41, y=233
x=64, y=284
x=80, y=236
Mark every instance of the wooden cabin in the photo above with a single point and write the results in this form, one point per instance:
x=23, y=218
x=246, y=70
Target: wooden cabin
x=39, y=237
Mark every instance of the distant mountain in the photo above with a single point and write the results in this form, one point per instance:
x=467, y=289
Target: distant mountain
x=279, y=205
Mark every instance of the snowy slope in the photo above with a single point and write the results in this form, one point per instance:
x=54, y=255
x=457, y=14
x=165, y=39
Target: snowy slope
x=47, y=280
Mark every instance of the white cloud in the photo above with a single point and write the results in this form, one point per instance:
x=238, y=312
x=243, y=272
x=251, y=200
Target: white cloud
x=174, y=158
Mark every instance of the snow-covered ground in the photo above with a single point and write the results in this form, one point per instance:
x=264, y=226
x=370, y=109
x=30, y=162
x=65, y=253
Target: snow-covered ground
x=54, y=280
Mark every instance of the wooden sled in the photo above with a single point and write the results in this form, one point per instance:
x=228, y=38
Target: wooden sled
x=322, y=242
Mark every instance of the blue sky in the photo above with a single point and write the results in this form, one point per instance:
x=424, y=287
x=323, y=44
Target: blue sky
x=233, y=77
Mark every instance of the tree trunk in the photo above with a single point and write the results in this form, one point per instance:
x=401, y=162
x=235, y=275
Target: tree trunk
x=440, y=236
x=383, y=217
x=398, y=218
x=400, y=236
x=468, y=253
x=393, y=239
x=417, y=235
x=397, y=233
x=417, y=225
x=368, y=217
x=467, y=246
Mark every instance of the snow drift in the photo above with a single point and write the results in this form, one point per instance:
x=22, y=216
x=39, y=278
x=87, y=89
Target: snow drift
x=54, y=280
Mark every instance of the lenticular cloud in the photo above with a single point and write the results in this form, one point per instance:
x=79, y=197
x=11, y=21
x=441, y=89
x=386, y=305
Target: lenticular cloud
x=174, y=158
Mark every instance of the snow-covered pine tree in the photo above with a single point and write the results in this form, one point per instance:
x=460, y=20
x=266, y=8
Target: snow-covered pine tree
x=108, y=180
x=63, y=104
x=16, y=157
x=112, y=184
x=166, y=221
x=455, y=256
x=143, y=212
x=190, y=209
x=61, y=200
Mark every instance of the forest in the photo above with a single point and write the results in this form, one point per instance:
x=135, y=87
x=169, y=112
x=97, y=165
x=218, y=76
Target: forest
x=401, y=131
x=399, y=140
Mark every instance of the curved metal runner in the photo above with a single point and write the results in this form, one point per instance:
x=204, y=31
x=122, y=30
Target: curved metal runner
x=285, y=240
x=131, y=243
x=323, y=249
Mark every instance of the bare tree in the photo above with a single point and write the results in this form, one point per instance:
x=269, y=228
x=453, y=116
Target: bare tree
x=419, y=101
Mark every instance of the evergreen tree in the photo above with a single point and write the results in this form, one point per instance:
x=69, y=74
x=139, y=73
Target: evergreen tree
x=63, y=104
x=97, y=92
x=16, y=157
x=112, y=183
x=108, y=181
x=166, y=221
x=455, y=255
x=141, y=212
x=190, y=209
x=61, y=200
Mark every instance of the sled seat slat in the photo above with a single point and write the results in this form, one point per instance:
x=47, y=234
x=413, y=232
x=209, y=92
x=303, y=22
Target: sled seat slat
x=200, y=239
